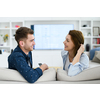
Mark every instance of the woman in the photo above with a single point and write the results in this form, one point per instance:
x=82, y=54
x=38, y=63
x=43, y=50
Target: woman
x=74, y=60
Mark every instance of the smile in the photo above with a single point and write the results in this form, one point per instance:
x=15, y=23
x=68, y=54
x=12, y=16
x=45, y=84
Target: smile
x=66, y=46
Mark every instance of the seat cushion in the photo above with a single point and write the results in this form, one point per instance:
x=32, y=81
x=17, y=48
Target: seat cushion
x=88, y=74
x=13, y=75
x=93, y=64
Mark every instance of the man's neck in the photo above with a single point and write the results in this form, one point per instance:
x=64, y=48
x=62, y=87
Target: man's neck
x=25, y=51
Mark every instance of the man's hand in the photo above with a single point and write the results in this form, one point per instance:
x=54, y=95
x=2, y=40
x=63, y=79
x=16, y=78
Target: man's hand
x=44, y=67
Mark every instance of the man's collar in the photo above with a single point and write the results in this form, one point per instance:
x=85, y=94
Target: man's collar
x=19, y=49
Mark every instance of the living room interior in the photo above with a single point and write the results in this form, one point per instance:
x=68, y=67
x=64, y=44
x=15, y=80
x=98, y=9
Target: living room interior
x=83, y=15
x=90, y=26
x=50, y=52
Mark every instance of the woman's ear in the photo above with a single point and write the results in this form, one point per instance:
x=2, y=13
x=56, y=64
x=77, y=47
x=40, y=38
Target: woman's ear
x=21, y=43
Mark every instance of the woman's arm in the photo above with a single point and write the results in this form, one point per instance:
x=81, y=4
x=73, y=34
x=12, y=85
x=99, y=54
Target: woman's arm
x=79, y=52
x=79, y=66
x=79, y=63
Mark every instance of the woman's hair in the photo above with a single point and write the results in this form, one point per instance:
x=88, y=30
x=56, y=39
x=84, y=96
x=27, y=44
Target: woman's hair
x=22, y=33
x=77, y=38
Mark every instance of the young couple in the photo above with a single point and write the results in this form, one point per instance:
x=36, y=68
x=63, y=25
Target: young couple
x=74, y=60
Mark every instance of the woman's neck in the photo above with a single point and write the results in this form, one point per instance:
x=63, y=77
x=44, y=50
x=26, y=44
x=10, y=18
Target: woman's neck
x=71, y=54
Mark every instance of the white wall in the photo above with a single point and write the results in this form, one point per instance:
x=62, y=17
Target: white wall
x=50, y=57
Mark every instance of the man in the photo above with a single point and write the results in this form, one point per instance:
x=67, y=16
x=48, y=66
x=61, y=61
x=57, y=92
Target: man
x=21, y=59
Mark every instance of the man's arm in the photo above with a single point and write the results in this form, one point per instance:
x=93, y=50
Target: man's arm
x=31, y=75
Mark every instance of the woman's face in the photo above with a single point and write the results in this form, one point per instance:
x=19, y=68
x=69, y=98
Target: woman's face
x=68, y=43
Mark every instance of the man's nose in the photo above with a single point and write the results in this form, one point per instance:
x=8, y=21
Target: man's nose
x=33, y=42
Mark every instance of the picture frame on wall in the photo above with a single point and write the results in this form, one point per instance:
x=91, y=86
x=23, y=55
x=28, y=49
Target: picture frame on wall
x=95, y=31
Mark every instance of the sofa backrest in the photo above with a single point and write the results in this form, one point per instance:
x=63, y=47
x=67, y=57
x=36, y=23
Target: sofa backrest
x=87, y=53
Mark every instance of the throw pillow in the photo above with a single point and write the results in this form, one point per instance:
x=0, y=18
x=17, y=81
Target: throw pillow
x=98, y=55
x=92, y=52
x=95, y=58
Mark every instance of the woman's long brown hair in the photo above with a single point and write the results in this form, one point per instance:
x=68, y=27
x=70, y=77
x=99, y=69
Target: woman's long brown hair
x=77, y=38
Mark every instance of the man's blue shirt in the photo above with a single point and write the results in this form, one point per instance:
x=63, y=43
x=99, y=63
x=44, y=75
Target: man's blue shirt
x=18, y=60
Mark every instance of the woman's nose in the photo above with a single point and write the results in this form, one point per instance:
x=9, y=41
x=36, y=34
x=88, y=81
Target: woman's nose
x=64, y=42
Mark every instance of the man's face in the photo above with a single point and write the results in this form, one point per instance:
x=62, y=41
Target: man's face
x=29, y=43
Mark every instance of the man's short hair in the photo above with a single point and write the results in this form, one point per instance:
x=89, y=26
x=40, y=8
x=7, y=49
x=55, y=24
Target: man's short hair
x=22, y=32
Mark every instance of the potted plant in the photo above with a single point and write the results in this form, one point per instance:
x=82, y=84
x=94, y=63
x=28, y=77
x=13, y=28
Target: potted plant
x=5, y=38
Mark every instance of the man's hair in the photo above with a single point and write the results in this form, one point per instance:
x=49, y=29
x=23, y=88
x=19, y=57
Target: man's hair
x=22, y=32
x=77, y=38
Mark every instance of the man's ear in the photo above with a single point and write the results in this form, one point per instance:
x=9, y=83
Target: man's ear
x=21, y=43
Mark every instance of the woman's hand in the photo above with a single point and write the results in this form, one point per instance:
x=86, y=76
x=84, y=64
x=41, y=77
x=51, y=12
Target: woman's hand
x=81, y=49
x=79, y=52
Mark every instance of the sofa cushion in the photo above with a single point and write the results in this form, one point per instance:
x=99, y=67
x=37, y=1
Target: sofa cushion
x=93, y=64
x=13, y=75
x=92, y=52
x=87, y=53
x=88, y=74
x=96, y=57
x=48, y=75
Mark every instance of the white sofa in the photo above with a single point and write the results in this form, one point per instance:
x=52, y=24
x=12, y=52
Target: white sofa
x=53, y=76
